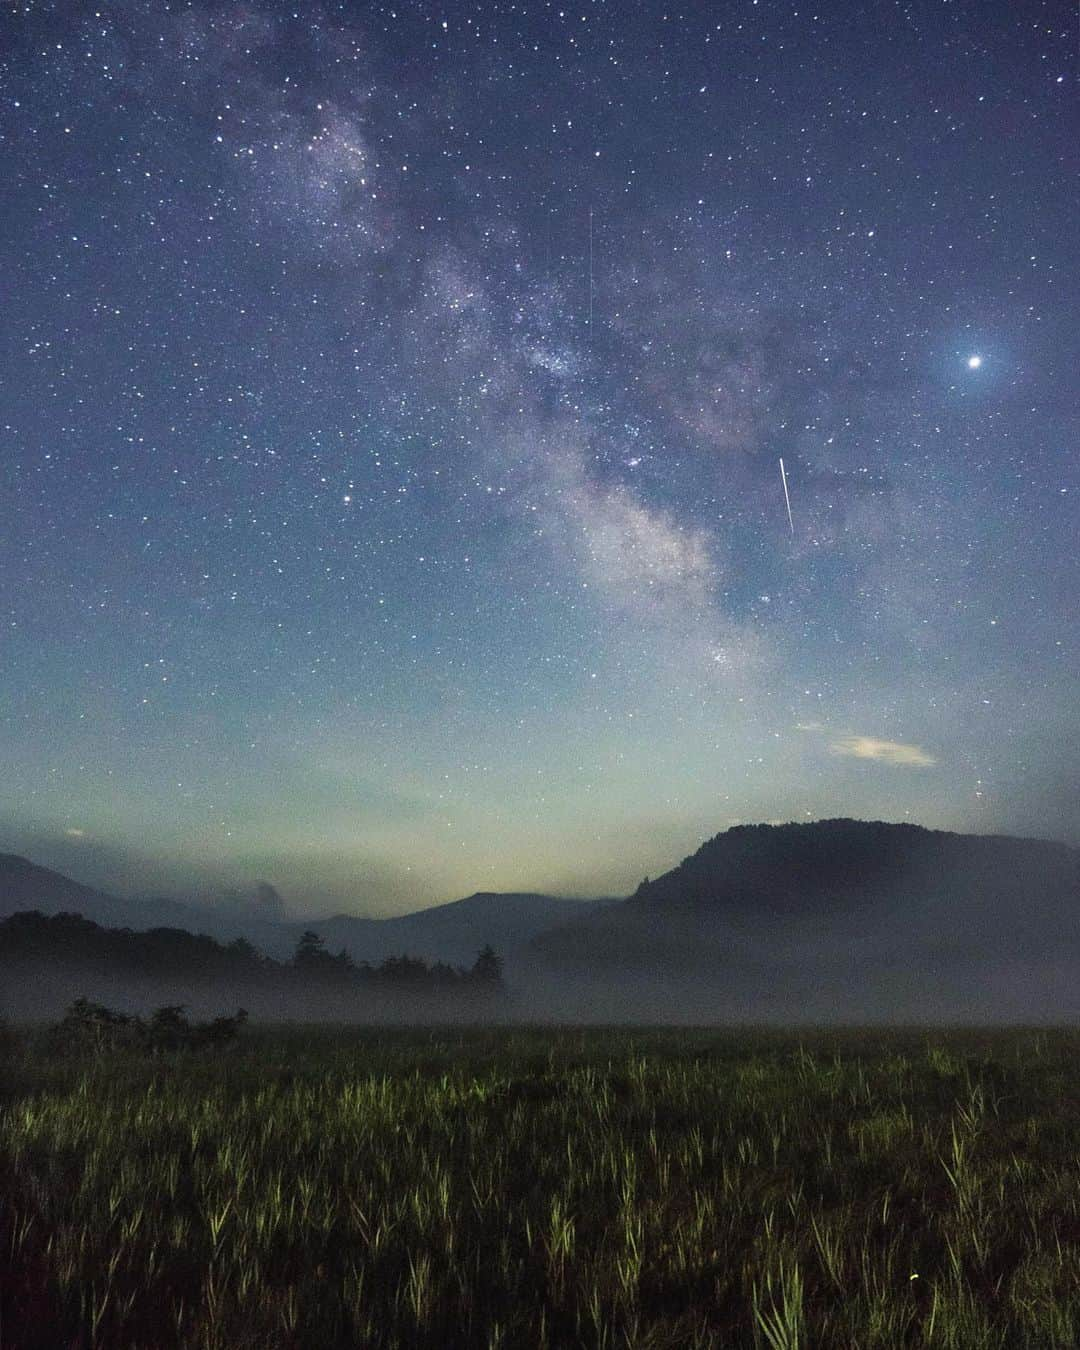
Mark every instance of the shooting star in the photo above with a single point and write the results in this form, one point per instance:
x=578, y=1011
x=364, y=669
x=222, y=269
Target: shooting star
x=787, y=499
x=590, y=275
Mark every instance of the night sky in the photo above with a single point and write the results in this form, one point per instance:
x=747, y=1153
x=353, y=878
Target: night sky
x=392, y=411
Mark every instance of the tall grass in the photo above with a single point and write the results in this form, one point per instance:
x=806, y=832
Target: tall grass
x=547, y=1189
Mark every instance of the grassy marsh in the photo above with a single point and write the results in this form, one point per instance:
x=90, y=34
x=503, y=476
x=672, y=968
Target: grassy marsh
x=548, y=1187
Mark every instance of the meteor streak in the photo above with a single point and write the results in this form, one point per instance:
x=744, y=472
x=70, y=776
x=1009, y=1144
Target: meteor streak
x=787, y=499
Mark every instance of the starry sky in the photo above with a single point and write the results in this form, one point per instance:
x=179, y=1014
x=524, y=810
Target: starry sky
x=390, y=435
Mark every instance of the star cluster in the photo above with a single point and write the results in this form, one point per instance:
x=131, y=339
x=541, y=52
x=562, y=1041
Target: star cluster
x=394, y=400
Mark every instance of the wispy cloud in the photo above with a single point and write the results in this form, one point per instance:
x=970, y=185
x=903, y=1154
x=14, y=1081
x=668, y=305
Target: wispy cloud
x=888, y=752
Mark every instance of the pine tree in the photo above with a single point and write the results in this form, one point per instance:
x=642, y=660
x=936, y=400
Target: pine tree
x=310, y=949
x=488, y=967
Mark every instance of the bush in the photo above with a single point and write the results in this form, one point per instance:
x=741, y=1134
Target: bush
x=91, y=1028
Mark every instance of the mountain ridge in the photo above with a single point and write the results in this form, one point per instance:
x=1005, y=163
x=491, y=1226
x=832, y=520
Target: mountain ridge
x=450, y=932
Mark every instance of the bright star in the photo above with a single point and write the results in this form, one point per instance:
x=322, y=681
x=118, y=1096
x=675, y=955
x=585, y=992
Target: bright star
x=974, y=362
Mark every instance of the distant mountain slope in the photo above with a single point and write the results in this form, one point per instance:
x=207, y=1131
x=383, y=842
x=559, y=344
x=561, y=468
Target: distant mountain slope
x=25, y=886
x=453, y=932
x=869, y=884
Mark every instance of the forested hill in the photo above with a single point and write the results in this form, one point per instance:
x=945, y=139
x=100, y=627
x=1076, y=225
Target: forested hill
x=846, y=890
x=791, y=868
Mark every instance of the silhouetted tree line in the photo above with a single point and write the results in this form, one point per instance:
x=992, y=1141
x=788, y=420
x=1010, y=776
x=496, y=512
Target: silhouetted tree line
x=91, y=1028
x=311, y=957
x=69, y=940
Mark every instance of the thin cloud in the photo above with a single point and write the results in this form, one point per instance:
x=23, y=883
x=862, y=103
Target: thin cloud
x=888, y=752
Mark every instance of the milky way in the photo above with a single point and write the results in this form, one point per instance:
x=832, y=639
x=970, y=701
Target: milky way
x=392, y=407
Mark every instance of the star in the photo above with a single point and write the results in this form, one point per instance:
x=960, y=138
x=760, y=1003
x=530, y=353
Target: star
x=974, y=362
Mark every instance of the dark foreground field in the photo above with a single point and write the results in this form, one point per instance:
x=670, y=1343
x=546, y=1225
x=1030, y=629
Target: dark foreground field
x=546, y=1188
